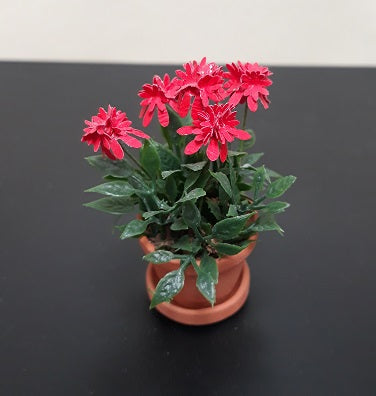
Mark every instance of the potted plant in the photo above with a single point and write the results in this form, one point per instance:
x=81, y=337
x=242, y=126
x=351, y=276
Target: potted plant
x=199, y=197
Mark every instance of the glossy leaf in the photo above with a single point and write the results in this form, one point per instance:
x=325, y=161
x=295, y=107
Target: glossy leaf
x=116, y=188
x=229, y=228
x=276, y=207
x=208, y=264
x=134, y=228
x=112, y=205
x=168, y=287
x=191, y=215
x=232, y=211
x=166, y=174
x=223, y=181
x=206, y=285
x=267, y=223
x=197, y=166
x=159, y=256
x=168, y=159
x=178, y=225
x=187, y=243
x=214, y=208
x=191, y=180
x=193, y=195
x=229, y=249
x=279, y=186
x=251, y=159
x=258, y=181
x=149, y=159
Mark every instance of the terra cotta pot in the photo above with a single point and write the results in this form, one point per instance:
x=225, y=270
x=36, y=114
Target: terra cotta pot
x=189, y=306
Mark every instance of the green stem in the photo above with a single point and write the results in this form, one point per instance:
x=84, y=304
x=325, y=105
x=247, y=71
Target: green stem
x=136, y=162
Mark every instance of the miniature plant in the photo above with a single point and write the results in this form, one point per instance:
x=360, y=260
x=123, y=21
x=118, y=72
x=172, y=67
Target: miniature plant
x=196, y=197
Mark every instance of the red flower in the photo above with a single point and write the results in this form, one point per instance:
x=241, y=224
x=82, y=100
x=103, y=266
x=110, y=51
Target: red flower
x=213, y=126
x=248, y=82
x=156, y=96
x=203, y=80
x=106, y=128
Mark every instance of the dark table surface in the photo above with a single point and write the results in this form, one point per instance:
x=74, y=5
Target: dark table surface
x=74, y=316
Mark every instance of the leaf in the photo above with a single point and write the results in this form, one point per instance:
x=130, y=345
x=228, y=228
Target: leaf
x=223, y=181
x=166, y=174
x=167, y=158
x=152, y=213
x=258, y=180
x=112, y=205
x=168, y=287
x=209, y=265
x=251, y=159
x=159, y=256
x=118, y=188
x=214, y=208
x=178, y=225
x=118, y=168
x=279, y=186
x=195, y=166
x=272, y=174
x=171, y=189
x=205, y=284
x=191, y=180
x=267, y=223
x=191, y=215
x=236, y=153
x=229, y=228
x=186, y=243
x=149, y=159
x=229, y=249
x=232, y=211
x=193, y=195
x=276, y=207
x=134, y=228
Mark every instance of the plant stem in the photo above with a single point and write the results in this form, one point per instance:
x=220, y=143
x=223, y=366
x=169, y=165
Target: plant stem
x=136, y=162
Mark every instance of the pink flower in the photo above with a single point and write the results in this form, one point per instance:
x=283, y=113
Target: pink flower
x=213, y=126
x=106, y=128
x=203, y=80
x=247, y=82
x=156, y=96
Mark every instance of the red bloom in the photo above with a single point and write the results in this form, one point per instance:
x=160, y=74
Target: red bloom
x=213, y=126
x=203, y=80
x=248, y=82
x=156, y=96
x=106, y=128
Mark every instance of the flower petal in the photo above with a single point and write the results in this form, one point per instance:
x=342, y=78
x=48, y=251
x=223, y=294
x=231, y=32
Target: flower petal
x=223, y=152
x=212, y=151
x=192, y=147
x=240, y=134
x=131, y=141
x=116, y=149
x=185, y=130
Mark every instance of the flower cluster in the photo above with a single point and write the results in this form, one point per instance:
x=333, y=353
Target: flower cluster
x=205, y=90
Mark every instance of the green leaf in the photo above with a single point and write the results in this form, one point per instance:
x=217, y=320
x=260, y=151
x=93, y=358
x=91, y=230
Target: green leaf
x=118, y=188
x=267, y=223
x=236, y=153
x=191, y=215
x=186, y=243
x=178, y=225
x=166, y=174
x=168, y=159
x=279, y=186
x=191, y=180
x=193, y=195
x=159, y=256
x=152, y=213
x=205, y=284
x=229, y=249
x=171, y=189
x=197, y=166
x=232, y=211
x=149, y=159
x=223, y=181
x=258, y=180
x=168, y=287
x=229, y=228
x=273, y=174
x=118, y=168
x=214, y=208
x=209, y=265
x=251, y=159
x=276, y=207
x=134, y=228
x=112, y=205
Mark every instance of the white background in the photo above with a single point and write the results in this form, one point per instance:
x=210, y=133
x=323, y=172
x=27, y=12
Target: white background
x=284, y=32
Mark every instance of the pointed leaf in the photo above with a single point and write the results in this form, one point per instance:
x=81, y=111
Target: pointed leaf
x=168, y=287
x=112, y=205
x=209, y=265
x=197, y=166
x=116, y=188
x=279, y=186
x=251, y=159
x=193, y=195
x=191, y=215
x=223, y=181
x=206, y=285
x=150, y=159
x=134, y=228
x=276, y=207
x=117, y=168
x=178, y=225
x=166, y=174
x=229, y=228
x=159, y=256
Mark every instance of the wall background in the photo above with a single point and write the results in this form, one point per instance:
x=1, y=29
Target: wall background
x=283, y=32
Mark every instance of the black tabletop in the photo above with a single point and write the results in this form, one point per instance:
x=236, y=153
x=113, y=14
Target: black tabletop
x=74, y=317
